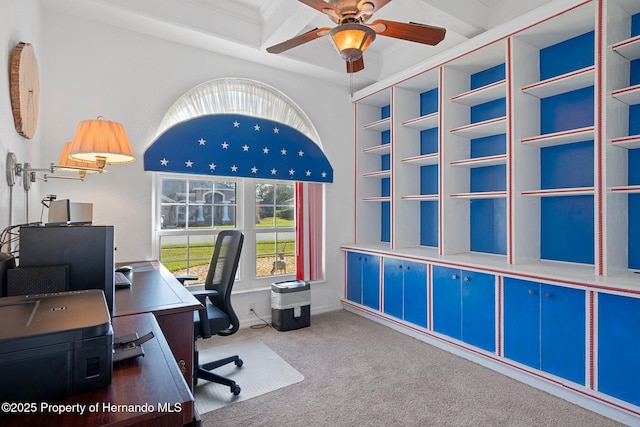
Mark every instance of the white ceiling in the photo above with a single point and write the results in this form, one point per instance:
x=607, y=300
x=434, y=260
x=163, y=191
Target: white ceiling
x=245, y=28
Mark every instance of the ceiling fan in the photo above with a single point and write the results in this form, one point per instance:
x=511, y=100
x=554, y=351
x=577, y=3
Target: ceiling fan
x=353, y=35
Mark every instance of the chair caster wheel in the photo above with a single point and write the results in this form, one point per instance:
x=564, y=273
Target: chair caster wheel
x=239, y=363
x=235, y=389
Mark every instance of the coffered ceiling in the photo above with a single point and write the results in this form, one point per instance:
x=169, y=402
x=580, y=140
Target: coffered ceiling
x=245, y=28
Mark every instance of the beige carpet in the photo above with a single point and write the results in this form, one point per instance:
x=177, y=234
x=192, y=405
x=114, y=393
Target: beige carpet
x=360, y=373
x=263, y=371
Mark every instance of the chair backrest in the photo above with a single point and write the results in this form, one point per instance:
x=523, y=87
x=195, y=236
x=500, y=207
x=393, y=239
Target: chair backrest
x=222, y=273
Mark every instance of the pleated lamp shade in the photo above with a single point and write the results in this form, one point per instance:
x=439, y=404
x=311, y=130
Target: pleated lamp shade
x=66, y=163
x=101, y=141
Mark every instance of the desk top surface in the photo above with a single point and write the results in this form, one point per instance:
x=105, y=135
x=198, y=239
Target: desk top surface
x=153, y=289
x=142, y=389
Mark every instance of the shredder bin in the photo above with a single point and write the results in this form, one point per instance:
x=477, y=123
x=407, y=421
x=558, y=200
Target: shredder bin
x=290, y=305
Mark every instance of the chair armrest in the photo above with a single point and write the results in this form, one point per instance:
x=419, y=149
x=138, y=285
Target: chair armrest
x=185, y=277
x=202, y=295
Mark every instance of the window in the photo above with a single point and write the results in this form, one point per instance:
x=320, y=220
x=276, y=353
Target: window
x=275, y=229
x=282, y=219
x=190, y=211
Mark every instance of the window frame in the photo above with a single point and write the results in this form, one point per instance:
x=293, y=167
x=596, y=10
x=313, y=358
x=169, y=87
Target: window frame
x=247, y=280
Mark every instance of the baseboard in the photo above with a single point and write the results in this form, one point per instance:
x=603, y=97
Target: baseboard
x=605, y=405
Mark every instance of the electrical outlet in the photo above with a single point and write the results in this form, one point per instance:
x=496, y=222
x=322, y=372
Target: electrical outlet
x=252, y=307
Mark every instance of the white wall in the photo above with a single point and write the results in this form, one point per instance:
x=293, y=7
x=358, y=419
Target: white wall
x=93, y=69
x=20, y=20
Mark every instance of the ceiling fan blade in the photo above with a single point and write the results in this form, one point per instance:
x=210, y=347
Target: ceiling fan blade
x=298, y=40
x=355, y=66
x=418, y=33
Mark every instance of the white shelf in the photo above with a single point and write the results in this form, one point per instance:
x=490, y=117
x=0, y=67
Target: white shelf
x=421, y=197
x=557, y=192
x=482, y=129
x=480, y=162
x=483, y=94
x=561, y=84
x=423, y=122
x=629, y=48
x=627, y=189
x=630, y=142
x=424, y=160
x=377, y=199
x=379, y=125
x=379, y=150
x=560, y=138
x=480, y=195
x=377, y=174
x=629, y=95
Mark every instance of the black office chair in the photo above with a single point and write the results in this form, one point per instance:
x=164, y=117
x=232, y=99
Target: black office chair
x=218, y=317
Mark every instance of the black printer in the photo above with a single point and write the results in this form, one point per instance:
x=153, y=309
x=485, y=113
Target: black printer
x=54, y=345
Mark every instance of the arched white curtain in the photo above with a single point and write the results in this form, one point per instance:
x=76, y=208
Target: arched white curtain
x=239, y=96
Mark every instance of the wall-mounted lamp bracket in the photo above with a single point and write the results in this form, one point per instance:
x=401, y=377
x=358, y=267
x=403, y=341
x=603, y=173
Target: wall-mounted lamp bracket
x=12, y=164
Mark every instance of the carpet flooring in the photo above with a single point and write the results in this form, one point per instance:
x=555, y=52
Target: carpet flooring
x=360, y=373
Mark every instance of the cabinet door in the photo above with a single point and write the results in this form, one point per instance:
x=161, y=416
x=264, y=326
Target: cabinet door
x=562, y=322
x=619, y=347
x=478, y=309
x=371, y=281
x=522, y=321
x=446, y=301
x=354, y=277
x=415, y=293
x=393, y=288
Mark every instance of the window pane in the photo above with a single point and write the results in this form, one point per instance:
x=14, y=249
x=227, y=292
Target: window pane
x=172, y=207
x=266, y=217
x=275, y=253
x=285, y=194
x=224, y=205
x=265, y=253
x=173, y=252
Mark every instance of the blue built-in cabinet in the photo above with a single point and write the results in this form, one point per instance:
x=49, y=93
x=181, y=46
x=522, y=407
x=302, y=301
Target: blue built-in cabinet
x=544, y=327
x=405, y=290
x=363, y=279
x=464, y=306
x=619, y=347
x=499, y=191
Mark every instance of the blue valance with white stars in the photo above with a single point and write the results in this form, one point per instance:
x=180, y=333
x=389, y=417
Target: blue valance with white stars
x=235, y=145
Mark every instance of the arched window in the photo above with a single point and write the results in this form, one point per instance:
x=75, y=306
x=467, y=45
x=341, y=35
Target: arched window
x=238, y=153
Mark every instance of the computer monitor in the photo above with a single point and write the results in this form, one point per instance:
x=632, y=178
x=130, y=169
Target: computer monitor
x=66, y=212
x=88, y=250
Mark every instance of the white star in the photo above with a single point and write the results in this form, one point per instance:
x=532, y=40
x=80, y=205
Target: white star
x=202, y=141
x=324, y=174
x=274, y=171
x=189, y=163
x=212, y=166
x=284, y=152
x=308, y=173
x=254, y=170
x=164, y=161
x=265, y=150
x=257, y=127
x=291, y=171
x=245, y=147
x=225, y=145
x=236, y=124
x=300, y=153
x=234, y=168
x=276, y=130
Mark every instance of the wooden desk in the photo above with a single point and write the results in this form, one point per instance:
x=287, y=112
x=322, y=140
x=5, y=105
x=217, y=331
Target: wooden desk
x=145, y=391
x=155, y=290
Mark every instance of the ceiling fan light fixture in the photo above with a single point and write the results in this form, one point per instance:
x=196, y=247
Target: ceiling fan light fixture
x=351, y=40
